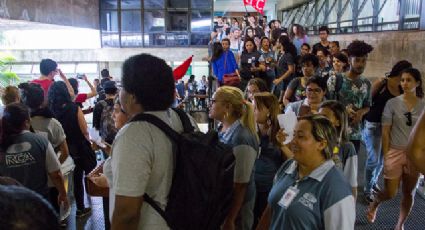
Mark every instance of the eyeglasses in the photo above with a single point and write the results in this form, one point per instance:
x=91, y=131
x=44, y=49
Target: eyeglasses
x=409, y=118
x=317, y=90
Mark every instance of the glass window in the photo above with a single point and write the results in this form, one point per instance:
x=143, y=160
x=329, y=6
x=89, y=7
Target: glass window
x=389, y=15
x=154, y=21
x=109, y=28
x=131, y=28
x=178, y=3
x=67, y=68
x=86, y=68
x=154, y=39
x=131, y=4
x=177, y=21
x=177, y=39
x=201, y=20
x=310, y=16
x=199, y=39
x=153, y=4
x=367, y=10
x=201, y=4
x=321, y=12
x=108, y=4
x=22, y=69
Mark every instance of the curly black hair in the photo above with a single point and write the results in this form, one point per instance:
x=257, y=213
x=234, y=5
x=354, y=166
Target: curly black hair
x=310, y=58
x=359, y=48
x=32, y=95
x=153, y=87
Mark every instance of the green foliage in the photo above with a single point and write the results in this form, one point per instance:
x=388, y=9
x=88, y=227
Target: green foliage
x=6, y=76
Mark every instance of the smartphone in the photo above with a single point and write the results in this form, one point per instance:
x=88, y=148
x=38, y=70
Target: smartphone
x=80, y=76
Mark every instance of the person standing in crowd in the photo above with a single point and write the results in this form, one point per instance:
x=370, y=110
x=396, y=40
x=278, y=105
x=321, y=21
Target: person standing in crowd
x=9, y=95
x=267, y=62
x=398, y=119
x=142, y=155
x=315, y=94
x=353, y=90
x=236, y=43
x=102, y=113
x=29, y=158
x=416, y=146
x=44, y=123
x=255, y=85
x=324, y=67
x=305, y=49
x=223, y=61
x=80, y=98
x=324, y=43
x=382, y=90
x=339, y=64
x=298, y=37
x=249, y=63
x=237, y=129
x=257, y=29
x=266, y=109
x=334, y=48
x=120, y=119
x=344, y=154
x=49, y=69
x=309, y=192
x=73, y=123
x=296, y=90
x=285, y=66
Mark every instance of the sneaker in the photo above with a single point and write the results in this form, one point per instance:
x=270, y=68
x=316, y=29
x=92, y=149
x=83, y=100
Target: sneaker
x=83, y=213
x=369, y=197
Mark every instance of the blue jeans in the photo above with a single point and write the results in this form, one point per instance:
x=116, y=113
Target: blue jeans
x=372, y=136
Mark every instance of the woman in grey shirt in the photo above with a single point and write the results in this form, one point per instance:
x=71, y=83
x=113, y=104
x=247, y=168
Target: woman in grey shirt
x=400, y=115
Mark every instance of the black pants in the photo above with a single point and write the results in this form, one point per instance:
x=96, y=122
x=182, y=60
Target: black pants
x=356, y=144
x=53, y=198
x=78, y=185
x=260, y=206
x=106, y=212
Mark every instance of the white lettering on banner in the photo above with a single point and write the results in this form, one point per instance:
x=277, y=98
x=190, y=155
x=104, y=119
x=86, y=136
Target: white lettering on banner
x=249, y=2
x=260, y=8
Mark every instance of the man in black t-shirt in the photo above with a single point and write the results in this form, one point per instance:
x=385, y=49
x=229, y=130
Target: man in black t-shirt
x=324, y=43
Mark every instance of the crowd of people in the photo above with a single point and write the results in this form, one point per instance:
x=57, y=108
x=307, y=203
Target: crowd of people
x=283, y=179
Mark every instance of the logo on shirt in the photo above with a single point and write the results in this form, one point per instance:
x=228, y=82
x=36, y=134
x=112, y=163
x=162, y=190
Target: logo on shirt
x=308, y=200
x=19, y=159
x=18, y=155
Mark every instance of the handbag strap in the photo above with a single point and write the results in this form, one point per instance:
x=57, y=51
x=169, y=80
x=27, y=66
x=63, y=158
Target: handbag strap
x=225, y=61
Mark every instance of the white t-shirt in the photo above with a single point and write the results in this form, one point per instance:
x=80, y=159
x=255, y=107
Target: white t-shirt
x=142, y=162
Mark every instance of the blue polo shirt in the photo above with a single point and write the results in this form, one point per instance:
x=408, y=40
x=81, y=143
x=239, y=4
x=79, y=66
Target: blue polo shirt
x=324, y=200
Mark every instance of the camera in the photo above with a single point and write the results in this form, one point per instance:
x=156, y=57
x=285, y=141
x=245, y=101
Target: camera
x=80, y=76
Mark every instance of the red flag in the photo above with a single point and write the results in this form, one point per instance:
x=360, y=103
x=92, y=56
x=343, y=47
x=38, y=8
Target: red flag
x=182, y=69
x=257, y=4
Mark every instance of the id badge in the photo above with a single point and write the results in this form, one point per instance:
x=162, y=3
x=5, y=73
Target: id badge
x=288, y=197
x=249, y=61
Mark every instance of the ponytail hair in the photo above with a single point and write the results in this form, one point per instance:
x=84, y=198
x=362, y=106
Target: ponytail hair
x=240, y=108
x=14, y=117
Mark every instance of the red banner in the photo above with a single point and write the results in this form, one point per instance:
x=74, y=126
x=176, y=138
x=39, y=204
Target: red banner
x=182, y=69
x=257, y=4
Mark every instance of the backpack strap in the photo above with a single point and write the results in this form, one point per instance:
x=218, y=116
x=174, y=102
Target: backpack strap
x=171, y=134
x=338, y=85
x=184, y=118
x=155, y=206
x=158, y=123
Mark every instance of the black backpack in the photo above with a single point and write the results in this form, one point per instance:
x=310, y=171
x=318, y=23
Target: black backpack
x=202, y=187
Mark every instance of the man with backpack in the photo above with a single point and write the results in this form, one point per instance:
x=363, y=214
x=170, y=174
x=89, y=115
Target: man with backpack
x=162, y=173
x=102, y=113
